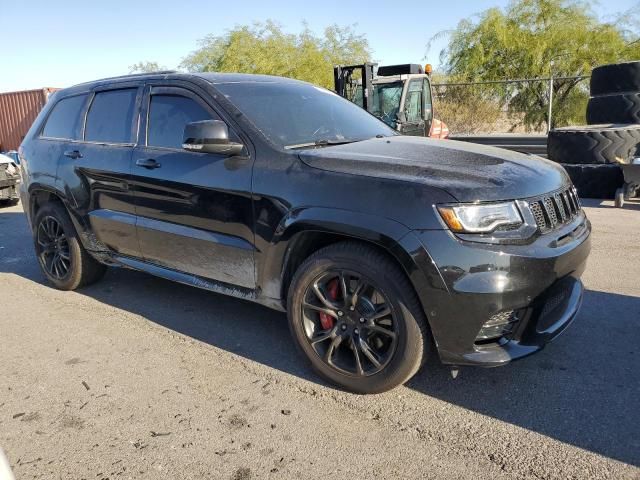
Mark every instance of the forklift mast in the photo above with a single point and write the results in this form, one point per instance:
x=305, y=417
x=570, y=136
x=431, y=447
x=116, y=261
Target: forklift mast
x=346, y=83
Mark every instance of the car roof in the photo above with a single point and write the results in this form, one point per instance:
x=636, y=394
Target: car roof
x=211, y=77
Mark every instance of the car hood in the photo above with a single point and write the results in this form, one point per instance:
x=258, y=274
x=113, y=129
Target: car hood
x=467, y=171
x=4, y=159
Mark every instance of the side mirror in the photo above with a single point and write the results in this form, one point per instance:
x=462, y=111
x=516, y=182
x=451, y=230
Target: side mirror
x=210, y=136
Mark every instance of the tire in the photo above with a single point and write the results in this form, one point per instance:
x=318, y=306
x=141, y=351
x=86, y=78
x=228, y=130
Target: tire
x=615, y=108
x=75, y=267
x=399, y=356
x=594, y=144
x=596, y=181
x=615, y=78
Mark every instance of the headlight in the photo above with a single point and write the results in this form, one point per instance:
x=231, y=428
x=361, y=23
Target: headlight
x=11, y=169
x=480, y=218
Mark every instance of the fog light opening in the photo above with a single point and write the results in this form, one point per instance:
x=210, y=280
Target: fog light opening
x=498, y=326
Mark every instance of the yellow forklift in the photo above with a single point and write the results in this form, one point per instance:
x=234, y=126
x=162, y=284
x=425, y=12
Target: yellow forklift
x=399, y=95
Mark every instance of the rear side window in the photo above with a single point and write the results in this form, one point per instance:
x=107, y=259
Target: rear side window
x=64, y=121
x=110, y=116
x=168, y=115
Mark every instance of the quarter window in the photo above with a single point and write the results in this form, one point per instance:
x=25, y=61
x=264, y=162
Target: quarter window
x=64, y=119
x=110, y=117
x=168, y=115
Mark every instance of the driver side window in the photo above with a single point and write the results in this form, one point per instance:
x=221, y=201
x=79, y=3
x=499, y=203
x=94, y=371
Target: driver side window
x=414, y=104
x=168, y=115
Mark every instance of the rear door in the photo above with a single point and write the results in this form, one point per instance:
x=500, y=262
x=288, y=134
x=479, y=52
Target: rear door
x=61, y=132
x=95, y=170
x=194, y=210
x=414, y=109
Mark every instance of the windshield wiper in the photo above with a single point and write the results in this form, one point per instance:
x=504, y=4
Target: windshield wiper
x=319, y=143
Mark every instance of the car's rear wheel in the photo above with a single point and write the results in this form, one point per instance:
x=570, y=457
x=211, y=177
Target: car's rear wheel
x=355, y=316
x=61, y=256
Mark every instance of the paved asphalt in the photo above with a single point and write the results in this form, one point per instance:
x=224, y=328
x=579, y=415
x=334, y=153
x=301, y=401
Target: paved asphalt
x=136, y=377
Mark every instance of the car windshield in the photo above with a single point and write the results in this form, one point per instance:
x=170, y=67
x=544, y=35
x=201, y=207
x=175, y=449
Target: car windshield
x=295, y=115
x=386, y=102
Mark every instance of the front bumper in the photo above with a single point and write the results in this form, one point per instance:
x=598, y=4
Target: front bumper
x=9, y=189
x=540, y=281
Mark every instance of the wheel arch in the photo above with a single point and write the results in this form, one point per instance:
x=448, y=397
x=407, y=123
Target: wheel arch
x=306, y=231
x=40, y=195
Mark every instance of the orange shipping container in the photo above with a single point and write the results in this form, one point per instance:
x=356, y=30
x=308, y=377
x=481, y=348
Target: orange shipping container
x=18, y=110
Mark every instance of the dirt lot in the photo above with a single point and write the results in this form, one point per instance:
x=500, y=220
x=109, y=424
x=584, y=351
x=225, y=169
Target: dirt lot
x=136, y=377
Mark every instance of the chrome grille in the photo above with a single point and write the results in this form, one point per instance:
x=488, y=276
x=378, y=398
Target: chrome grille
x=536, y=209
x=550, y=211
x=559, y=203
x=553, y=210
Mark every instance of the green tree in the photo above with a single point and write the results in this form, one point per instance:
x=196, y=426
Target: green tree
x=534, y=38
x=145, y=67
x=265, y=48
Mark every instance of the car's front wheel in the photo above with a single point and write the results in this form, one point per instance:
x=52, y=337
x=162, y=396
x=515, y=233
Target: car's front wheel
x=356, y=317
x=61, y=256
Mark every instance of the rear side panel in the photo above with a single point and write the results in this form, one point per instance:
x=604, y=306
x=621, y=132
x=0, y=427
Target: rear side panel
x=39, y=160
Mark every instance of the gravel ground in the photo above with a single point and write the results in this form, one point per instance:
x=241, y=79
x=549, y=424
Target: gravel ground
x=137, y=377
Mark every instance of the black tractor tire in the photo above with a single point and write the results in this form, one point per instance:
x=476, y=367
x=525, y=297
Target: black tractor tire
x=594, y=144
x=413, y=337
x=615, y=78
x=596, y=181
x=615, y=108
x=82, y=268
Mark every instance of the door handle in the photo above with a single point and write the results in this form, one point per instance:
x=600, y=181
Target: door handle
x=149, y=163
x=73, y=154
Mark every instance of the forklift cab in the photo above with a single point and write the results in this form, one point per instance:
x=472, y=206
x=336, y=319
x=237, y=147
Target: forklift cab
x=400, y=95
x=404, y=103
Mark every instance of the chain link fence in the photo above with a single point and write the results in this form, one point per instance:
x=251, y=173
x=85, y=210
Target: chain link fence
x=511, y=106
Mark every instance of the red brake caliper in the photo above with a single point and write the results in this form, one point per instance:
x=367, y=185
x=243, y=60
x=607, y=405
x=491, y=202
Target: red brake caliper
x=326, y=320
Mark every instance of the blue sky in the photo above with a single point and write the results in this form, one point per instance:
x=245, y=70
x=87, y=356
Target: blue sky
x=60, y=43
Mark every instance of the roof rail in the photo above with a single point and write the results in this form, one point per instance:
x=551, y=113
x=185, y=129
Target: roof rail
x=128, y=75
x=159, y=72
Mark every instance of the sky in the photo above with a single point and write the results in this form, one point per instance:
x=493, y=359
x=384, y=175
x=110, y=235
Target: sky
x=61, y=43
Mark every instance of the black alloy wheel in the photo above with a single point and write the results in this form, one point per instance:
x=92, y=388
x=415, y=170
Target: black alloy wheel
x=53, y=248
x=62, y=258
x=355, y=316
x=349, y=322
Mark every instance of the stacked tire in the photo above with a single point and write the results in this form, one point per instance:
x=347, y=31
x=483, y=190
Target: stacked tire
x=592, y=154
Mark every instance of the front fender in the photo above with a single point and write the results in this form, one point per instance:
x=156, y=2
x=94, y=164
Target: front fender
x=391, y=236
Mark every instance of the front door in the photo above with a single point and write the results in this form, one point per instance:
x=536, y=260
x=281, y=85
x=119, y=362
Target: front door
x=194, y=210
x=414, y=109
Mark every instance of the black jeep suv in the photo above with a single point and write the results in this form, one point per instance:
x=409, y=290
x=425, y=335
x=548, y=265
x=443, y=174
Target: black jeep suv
x=379, y=247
